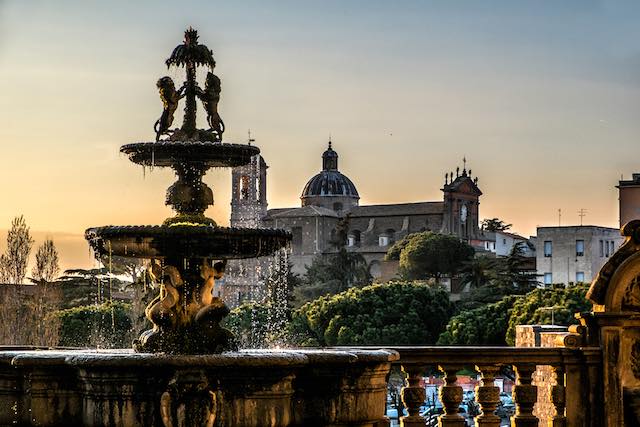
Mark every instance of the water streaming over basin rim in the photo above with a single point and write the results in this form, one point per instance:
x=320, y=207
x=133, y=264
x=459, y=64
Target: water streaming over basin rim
x=248, y=358
x=209, y=154
x=186, y=241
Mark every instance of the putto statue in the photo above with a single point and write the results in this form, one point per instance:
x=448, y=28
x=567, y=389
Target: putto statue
x=170, y=97
x=190, y=55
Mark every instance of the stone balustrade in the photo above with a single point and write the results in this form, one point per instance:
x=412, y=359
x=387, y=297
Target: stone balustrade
x=573, y=397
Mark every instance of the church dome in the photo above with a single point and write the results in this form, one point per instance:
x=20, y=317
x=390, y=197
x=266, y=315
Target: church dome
x=330, y=188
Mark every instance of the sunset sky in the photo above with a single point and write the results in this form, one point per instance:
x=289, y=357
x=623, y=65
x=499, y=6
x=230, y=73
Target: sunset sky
x=542, y=97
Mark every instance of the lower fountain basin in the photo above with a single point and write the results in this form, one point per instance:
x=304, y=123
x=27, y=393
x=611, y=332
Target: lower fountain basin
x=258, y=388
x=186, y=241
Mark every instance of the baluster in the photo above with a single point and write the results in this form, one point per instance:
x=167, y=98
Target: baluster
x=451, y=397
x=525, y=396
x=558, y=398
x=413, y=396
x=488, y=396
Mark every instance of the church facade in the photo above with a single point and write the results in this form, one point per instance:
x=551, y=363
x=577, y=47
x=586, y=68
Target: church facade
x=329, y=197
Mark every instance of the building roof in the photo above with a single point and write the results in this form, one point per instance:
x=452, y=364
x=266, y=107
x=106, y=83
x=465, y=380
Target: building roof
x=633, y=182
x=512, y=235
x=330, y=182
x=301, y=212
x=398, y=209
x=462, y=184
x=578, y=227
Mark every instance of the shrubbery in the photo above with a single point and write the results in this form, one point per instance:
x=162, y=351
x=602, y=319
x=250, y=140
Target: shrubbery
x=396, y=313
x=485, y=325
x=107, y=325
x=495, y=324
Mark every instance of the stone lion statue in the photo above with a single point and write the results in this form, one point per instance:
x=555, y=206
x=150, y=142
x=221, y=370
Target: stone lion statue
x=170, y=97
x=210, y=97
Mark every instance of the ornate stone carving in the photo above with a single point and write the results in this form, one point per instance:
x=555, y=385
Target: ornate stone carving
x=599, y=288
x=186, y=307
x=188, y=402
x=631, y=298
x=635, y=359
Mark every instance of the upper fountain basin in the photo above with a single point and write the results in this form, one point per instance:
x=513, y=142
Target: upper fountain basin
x=170, y=153
x=186, y=241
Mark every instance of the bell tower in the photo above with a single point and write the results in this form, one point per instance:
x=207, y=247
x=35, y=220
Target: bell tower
x=461, y=204
x=249, y=193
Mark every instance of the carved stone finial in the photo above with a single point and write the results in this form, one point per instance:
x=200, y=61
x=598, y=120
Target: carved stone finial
x=457, y=171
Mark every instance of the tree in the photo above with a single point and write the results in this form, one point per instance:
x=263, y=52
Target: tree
x=334, y=272
x=249, y=323
x=497, y=278
x=393, y=254
x=47, y=264
x=128, y=266
x=428, y=255
x=541, y=306
x=396, y=313
x=479, y=271
x=13, y=264
x=106, y=325
x=515, y=273
x=47, y=296
x=495, y=224
x=485, y=325
x=88, y=286
x=495, y=323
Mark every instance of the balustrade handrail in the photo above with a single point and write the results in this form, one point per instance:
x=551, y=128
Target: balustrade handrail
x=472, y=355
x=573, y=368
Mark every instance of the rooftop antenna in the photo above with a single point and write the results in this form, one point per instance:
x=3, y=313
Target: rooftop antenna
x=249, y=139
x=582, y=213
x=559, y=217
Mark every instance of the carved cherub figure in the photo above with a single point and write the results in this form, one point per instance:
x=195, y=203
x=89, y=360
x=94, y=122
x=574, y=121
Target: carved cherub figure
x=159, y=311
x=210, y=97
x=210, y=275
x=170, y=97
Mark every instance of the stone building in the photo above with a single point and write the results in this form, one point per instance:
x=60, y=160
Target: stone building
x=501, y=243
x=574, y=253
x=328, y=197
x=629, y=199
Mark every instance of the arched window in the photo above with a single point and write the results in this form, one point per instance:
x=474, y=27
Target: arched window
x=354, y=238
x=391, y=233
x=244, y=187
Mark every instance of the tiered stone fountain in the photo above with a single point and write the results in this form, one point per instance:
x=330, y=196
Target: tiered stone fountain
x=186, y=370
